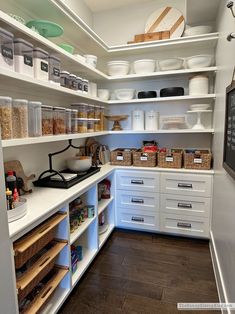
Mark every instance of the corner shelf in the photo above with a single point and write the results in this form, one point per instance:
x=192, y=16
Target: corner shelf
x=82, y=228
x=104, y=236
x=104, y=203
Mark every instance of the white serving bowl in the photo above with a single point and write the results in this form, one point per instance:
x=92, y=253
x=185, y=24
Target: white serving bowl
x=196, y=107
x=118, y=68
x=91, y=60
x=124, y=94
x=199, y=61
x=197, y=30
x=79, y=163
x=103, y=94
x=144, y=66
x=171, y=64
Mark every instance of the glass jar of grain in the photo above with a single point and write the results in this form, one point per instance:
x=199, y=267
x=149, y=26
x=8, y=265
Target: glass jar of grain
x=20, y=118
x=6, y=117
x=47, y=120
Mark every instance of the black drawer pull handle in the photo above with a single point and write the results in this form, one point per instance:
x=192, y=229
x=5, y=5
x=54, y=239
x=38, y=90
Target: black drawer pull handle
x=184, y=225
x=137, y=182
x=184, y=205
x=137, y=200
x=139, y=219
x=185, y=185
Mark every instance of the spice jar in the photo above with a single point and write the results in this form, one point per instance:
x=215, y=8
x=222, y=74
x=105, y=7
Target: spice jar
x=80, y=84
x=64, y=79
x=23, y=57
x=47, y=120
x=54, y=69
x=90, y=126
x=91, y=112
x=82, y=126
x=59, y=120
x=20, y=118
x=85, y=84
x=6, y=49
x=74, y=121
x=35, y=118
x=6, y=117
x=41, y=67
x=68, y=114
x=73, y=82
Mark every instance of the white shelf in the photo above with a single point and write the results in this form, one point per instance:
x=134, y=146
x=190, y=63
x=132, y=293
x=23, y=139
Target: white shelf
x=160, y=74
x=88, y=256
x=79, y=231
x=163, y=99
x=49, y=139
x=179, y=131
x=55, y=301
x=104, y=203
x=104, y=236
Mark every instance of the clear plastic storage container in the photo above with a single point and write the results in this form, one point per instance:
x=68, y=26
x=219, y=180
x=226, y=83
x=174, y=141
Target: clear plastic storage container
x=85, y=84
x=74, y=121
x=41, y=67
x=47, y=120
x=73, y=82
x=90, y=112
x=59, y=120
x=102, y=125
x=20, y=118
x=90, y=126
x=35, y=118
x=54, y=69
x=82, y=126
x=23, y=55
x=80, y=84
x=68, y=113
x=82, y=110
x=6, y=49
x=64, y=79
x=6, y=117
x=97, y=124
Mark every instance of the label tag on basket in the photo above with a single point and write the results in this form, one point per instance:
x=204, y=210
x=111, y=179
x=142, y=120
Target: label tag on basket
x=120, y=158
x=143, y=158
x=169, y=159
x=197, y=160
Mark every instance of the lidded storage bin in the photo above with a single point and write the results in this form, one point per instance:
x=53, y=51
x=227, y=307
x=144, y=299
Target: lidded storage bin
x=64, y=79
x=74, y=121
x=20, y=118
x=6, y=49
x=23, y=57
x=54, y=69
x=6, y=117
x=47, y=120
x=35, y=118
x=68, y=114
x=59, y=120
x=41, y=66
x=82, y=126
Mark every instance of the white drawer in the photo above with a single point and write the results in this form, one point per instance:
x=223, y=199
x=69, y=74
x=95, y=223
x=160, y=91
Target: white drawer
x=185, y=205
x=136, y=219
x=186, y=184
x=138, y=181
x=190, y=225
x=138, y=200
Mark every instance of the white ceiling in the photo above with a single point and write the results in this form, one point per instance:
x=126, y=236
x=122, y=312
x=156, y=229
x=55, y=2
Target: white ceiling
x=102, y=5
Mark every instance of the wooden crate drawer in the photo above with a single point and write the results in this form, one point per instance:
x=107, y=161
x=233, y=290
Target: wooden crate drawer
x=186, y=184
x=38, y=270
x=138, y=181
x=138, y=200
x=136, y=219
x=35, y=240
x=44, y=295
x=186, y=205
x=190, y=225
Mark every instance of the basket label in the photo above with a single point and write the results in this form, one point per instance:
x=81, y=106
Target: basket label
x=169, y=159
x=143, y=158
x=120, y=158
x=197, y=160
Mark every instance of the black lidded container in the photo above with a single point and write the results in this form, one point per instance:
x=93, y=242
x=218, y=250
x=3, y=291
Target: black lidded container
x=147, y=94
x=172, y=91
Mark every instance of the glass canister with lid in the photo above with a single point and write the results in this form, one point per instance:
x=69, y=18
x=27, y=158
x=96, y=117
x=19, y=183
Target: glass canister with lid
x=23, y=55
x=6, y=49
x=59, y=120
x=74, y=120
x=20, y=118
x=6, y=117
x=91, y=112
x=41, y=67
x=54, y=69
x=68, y=113
x=35, y=118
x=47, y=120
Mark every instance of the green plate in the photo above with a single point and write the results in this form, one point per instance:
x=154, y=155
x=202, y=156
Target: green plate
x=46, y=28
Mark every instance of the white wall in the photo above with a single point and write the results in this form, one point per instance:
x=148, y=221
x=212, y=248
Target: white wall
x=224, y=186
x=120, y=25
x=82, y=10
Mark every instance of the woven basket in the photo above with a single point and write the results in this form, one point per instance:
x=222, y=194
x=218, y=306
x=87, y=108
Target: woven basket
x=121, y=156
x=200, y=159
x=141, y=159
x=170, y=159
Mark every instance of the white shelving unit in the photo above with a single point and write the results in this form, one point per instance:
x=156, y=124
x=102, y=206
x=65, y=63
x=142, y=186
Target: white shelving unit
x=180, y=131
x=104, y=236
x=103, y=204
x=82, y=228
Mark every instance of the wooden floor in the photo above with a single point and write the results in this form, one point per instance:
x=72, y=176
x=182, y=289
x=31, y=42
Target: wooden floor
x=145, y=273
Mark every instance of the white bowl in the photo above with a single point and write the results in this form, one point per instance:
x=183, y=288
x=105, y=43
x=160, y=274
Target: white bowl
x=124, y=94
x=144, y=66
x=198, y=30
x=200, y=107
x=118, y=68
x=199, y=61
x=103, y=94
x=171, y=64
x=91, y=60
x=80, y=163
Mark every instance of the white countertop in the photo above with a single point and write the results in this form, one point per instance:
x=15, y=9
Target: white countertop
x=43, y=202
